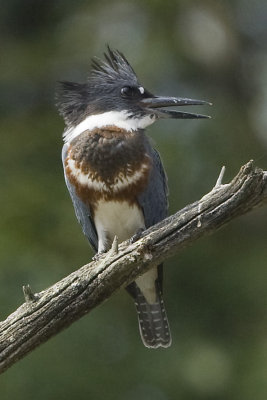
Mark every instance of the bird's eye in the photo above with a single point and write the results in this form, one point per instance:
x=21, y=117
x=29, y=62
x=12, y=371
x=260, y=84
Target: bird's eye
x=132, y=92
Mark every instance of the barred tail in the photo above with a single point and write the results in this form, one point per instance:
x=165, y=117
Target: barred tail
x=153, y=322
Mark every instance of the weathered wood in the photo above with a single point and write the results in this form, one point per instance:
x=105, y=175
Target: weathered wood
x=46, y=313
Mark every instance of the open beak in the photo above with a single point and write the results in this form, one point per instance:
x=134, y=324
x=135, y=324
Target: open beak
x=155, y=104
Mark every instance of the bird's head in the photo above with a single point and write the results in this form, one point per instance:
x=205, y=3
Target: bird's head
x=112, y=96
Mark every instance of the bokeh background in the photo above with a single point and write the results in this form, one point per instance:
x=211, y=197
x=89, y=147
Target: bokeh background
x=215, y=291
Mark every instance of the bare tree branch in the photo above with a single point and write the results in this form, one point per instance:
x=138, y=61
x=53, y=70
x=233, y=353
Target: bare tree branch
x=46, y=313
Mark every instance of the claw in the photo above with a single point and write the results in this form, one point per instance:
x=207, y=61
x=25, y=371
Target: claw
x=137, y=235
x=98, y=255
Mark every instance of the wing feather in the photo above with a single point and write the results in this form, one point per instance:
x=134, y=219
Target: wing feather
x=154, y=200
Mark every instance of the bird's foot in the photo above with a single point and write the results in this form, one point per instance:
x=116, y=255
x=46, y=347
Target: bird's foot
x=110, y=251
x=98, y=255
x=137, y=235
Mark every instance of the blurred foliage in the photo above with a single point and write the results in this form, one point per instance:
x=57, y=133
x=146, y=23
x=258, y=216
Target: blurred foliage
x=215, y=291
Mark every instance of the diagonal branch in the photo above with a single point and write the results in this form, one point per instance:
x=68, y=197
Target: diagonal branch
x=46, y=313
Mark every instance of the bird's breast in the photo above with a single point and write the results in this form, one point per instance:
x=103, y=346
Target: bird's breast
x=110, y=165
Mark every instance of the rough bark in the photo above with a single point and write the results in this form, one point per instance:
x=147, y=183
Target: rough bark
x=46, y=313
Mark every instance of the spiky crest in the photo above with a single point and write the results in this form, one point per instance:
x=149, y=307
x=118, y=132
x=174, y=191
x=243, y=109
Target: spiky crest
x=114, y=68
x=76, y=100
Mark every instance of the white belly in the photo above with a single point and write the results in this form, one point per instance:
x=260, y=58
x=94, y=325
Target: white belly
x=116, y=218
x=123, y=220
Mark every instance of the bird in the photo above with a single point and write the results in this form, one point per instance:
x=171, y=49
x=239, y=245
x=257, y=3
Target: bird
x=114, y=175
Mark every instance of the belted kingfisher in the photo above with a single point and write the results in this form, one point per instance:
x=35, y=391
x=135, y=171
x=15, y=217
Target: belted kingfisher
x=115, y=177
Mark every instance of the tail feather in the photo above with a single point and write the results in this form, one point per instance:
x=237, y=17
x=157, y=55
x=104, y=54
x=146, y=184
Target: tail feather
x=153, y=321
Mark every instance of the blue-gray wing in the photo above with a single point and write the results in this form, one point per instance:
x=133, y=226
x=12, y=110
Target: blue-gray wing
x=82, y=211
x=154, y=200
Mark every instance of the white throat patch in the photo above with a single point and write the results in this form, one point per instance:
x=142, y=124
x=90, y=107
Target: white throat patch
x=120, y=119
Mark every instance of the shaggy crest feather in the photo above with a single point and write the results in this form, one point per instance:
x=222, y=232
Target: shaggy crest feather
x=75, y=101
x=115, y=67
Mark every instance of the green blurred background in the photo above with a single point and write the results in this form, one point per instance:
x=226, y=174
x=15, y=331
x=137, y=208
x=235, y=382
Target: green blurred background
x=215, y=291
